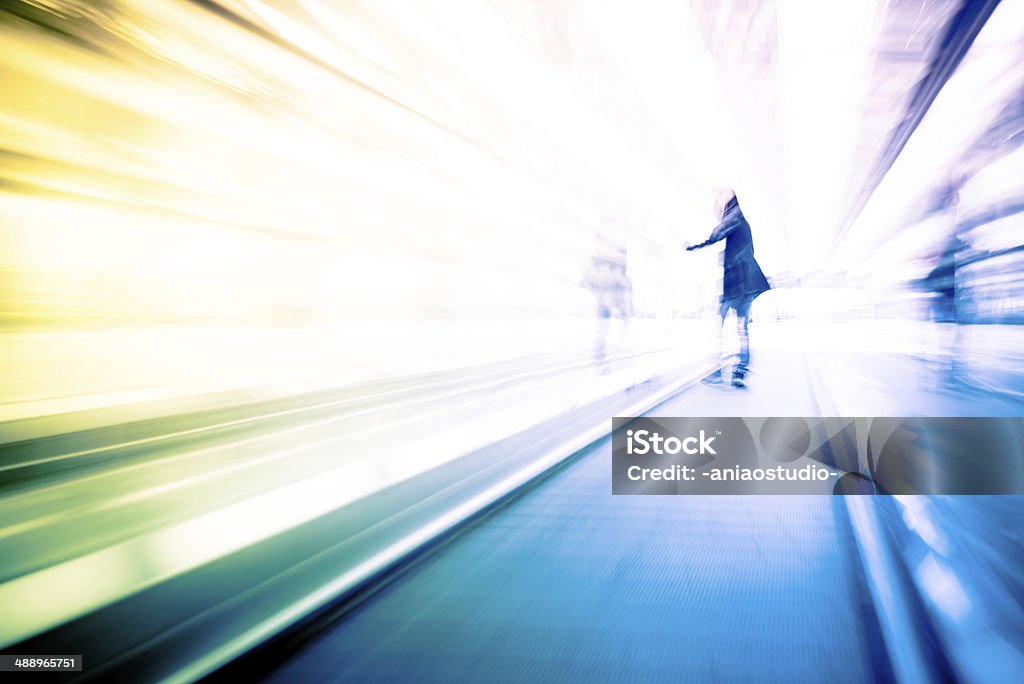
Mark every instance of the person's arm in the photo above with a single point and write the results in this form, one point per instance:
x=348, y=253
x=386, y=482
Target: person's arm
x=728, y=225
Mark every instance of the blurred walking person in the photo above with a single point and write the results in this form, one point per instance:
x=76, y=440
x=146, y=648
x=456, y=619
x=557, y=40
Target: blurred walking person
x=742, y=279
x=610, y=285
x=942, y=284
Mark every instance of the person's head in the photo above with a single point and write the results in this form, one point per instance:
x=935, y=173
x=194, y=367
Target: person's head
x=722, y=199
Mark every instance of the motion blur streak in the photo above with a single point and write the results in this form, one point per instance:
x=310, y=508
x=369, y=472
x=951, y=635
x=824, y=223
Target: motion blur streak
x=168, y=163
x=284, y=283
x=247, y=171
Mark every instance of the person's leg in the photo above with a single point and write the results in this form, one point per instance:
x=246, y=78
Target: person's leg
x=601, y=336
x=742, y=329
x=723, y=311
x=958, y=364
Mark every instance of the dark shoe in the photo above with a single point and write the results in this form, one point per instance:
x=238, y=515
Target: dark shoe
x=714, y=379
x=737, y=380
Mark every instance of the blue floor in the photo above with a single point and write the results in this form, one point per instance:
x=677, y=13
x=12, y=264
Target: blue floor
x=570, y=584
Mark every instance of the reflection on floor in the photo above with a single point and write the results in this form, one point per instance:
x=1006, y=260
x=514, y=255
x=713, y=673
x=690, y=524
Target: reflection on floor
x=903, y=381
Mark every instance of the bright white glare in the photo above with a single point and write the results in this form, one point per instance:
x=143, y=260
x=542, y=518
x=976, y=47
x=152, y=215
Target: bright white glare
x=943, y=587
x=826, y=55
x=918, y=517
x=412, y=163
x=999, y=183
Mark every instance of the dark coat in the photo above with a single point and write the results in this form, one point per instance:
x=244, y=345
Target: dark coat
x=942, y=282
x=743, y=278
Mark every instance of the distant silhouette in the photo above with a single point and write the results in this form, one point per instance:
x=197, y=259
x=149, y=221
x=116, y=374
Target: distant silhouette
x=943, y=284
x=610, y=285
x=742, y=280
